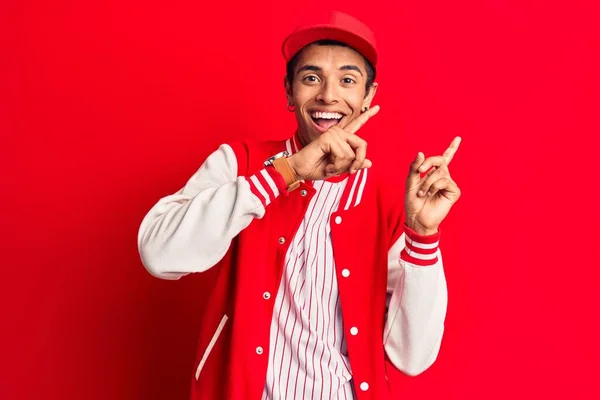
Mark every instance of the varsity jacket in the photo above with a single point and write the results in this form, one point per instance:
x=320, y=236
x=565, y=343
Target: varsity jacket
x=236, y=215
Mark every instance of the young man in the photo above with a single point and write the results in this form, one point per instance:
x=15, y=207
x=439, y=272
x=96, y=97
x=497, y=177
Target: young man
x=329, y=271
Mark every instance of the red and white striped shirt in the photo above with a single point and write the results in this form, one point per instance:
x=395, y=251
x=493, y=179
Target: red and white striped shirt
x=308, y=355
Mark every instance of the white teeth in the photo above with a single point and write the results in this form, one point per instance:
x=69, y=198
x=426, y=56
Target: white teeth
x=326, y=115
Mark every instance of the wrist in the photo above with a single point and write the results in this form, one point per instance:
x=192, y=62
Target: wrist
x=287, y=172
x=424, y=232
x=292, y=164
x=419, y=229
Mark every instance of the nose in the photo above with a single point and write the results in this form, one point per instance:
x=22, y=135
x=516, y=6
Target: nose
x=328, y=93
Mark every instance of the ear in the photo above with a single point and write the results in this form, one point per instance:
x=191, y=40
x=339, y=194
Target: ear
x=288, y=89
x=369, y=97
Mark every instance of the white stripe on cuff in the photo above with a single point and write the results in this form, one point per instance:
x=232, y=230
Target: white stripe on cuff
x=420, y=256
x=261, y=189
x=427, y=246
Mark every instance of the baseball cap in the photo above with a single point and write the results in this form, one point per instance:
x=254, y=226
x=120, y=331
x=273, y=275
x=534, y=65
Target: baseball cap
x=337, y=26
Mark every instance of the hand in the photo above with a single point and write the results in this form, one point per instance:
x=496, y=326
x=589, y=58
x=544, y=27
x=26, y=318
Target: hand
x=429, y=199
x=336, y=151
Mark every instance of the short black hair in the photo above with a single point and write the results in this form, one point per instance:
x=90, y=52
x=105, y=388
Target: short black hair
x=291, y=65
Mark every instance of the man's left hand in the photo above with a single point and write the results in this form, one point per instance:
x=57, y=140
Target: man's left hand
x=429, y=198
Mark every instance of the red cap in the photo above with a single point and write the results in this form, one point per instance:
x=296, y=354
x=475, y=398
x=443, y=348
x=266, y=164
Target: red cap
x=335, y=26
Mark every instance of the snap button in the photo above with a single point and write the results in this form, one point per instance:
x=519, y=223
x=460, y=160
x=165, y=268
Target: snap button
x=338, y=220
x=303, y=192
x=364, y=386
x=345, y=273
x=354, y=331
x=259, y=351
x=266, y=295
x=281, y=240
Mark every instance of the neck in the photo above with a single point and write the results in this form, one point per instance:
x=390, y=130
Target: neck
x=303, y=137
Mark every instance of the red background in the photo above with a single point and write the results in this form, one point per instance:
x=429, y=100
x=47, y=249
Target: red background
x=107, y=106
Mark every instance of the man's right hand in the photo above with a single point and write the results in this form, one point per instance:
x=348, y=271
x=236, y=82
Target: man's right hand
x=336, y=151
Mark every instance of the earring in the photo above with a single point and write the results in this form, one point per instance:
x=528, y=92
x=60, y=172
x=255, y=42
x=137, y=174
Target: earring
x=291, y=108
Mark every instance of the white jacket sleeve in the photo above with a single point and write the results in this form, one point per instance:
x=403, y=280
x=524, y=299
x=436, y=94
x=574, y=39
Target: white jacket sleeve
x=418, y=299
x=191, y=230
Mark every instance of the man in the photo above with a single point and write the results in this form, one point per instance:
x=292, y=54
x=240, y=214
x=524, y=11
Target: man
x=303, y=306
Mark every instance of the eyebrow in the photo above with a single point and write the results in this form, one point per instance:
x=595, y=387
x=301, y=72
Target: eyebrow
x=351, y=68
x=315, y=68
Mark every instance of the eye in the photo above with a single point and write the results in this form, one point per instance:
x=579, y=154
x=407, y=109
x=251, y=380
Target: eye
x=348, y=80
x=311, y=78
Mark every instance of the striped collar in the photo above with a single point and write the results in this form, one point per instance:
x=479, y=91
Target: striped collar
x=293, y=144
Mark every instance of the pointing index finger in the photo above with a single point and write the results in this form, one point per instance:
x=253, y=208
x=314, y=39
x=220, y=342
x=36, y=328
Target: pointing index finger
x=357, y=123
x=451, y=150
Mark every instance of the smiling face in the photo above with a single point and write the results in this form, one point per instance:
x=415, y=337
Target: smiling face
x=328, y=87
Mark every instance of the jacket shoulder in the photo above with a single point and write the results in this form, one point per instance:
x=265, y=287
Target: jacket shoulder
x=251, y=154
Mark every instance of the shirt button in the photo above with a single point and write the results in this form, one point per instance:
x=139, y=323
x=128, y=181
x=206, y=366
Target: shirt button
x=259, y=351
x=345, y=273
x=364, y=386
x=303, y=192
x=354, y=331
x=338, y=220
x=266, y=295
x=281, y=240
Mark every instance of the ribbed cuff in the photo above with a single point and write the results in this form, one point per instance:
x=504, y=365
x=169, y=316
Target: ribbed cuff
x=420, y=250
x=267, y=184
